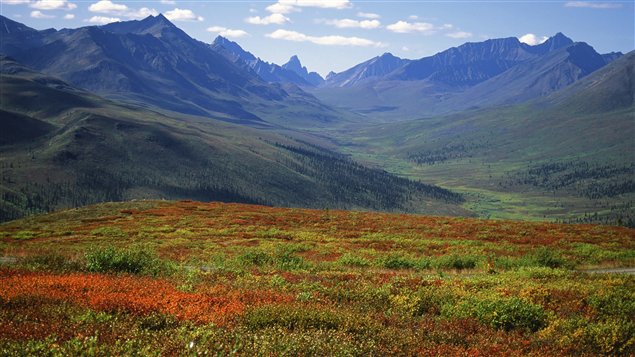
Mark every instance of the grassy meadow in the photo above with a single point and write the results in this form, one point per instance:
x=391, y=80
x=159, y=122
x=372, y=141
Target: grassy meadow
x=190, y=278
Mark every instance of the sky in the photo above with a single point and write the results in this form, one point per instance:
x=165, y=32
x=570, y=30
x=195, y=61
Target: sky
x=334, y=35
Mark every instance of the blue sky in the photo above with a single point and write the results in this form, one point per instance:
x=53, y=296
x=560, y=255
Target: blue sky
x=333, y=35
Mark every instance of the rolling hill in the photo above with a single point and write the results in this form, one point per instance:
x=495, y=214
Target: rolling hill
x=63, y=147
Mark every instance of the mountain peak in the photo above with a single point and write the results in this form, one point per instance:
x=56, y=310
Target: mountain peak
x=154, y=25
x=294, y=61
x=231, y=49
x=158, y=20
x=560, y=39
x=295, y=65
x=554, y=42
x=220, y=40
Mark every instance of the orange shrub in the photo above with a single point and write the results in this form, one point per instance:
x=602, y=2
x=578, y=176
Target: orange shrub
x=137, y=295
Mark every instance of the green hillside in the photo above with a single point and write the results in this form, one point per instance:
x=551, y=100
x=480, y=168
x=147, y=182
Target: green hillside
x=81, y=149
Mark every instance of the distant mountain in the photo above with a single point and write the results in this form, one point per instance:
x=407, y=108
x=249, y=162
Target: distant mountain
x=295, y=66
x=472, y=63
x=534, y=78
x=269, y=72
x=374, y=68
x=553, y=43
x=473, y=75
x=607, y=90
x=152, y=61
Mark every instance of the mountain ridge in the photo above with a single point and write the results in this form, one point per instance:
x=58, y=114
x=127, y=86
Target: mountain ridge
x=154, y=62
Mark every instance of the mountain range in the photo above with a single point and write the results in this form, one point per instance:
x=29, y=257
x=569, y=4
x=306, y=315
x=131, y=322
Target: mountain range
x=152, y=61
x=291, y=72
x=139, y=109
x=493, y=72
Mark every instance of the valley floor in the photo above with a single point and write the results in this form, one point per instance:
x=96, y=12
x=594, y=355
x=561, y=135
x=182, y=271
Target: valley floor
x=181, y=278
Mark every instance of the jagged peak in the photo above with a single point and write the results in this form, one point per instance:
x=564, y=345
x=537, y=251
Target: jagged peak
x=559, y=40
x=219, y=40
x=160, y=19
x=294, y=60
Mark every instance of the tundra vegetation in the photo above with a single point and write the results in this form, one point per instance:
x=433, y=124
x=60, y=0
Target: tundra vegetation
x=188, y=278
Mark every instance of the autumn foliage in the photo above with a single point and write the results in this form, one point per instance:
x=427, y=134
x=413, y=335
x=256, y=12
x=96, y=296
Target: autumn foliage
x=136, y=295
x=192, y=278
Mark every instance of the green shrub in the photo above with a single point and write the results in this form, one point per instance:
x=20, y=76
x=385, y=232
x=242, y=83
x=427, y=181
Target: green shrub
x=507, y=263
x=110, y=232
x=398, y=262
x=430, y=300
x=353, y=260
x=135, y=260
x=501, y=313
x=456, y=262
x=24, y=235
x=615, y=337
x=255, y=257
x=285, y=259
x=547, y=257
x=616, y=302
x=292, y=318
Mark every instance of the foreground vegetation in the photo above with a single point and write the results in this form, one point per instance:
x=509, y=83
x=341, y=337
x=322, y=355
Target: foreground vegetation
x=191, y=278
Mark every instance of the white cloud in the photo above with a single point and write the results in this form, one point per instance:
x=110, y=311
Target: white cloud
x=405, y=49
x=348, y=23
x=182, y=15
x=323, y=40
x=289, y=6
x=279, y=8
x=40, y=15
x=277, y=19
x=407, y=27
x=225, y=32
x=15, y=2
x=102, y=20
x=459, y=34
x=107, y=7
x=324, y=4
x=142, y=13
x=69, y=16
x=168, y=2
x=413, y=17
x=593, y=5
x=368, y=15
x=532, y=39
x=53, y=5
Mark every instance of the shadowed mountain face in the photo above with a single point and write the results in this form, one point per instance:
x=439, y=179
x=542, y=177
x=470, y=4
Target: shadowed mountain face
x=374, y=68
x=291, y=72
x=269, y=72
x=152, y=61
x=296, y=67
x=61, y=147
